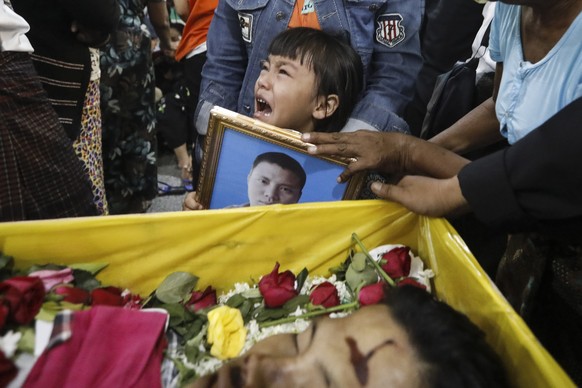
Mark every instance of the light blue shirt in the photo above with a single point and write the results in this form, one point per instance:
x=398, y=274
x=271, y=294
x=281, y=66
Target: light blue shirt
x=530, y=94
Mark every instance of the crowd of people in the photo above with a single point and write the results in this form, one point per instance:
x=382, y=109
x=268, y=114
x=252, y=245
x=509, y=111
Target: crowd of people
x=78, y=133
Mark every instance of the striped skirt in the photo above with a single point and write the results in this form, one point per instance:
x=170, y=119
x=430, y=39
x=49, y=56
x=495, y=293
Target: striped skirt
x=40, y=175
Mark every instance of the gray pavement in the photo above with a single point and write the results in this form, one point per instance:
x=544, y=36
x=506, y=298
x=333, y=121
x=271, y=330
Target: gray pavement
x=170, y=174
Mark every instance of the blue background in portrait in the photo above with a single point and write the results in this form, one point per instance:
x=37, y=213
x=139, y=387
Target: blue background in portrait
x=237, y=154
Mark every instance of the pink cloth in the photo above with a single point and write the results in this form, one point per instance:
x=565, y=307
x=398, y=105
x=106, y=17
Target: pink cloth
x=109, y=347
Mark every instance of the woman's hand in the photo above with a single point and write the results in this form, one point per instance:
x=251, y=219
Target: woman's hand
x=386, y=152
x=369, y=150
x=427, y=196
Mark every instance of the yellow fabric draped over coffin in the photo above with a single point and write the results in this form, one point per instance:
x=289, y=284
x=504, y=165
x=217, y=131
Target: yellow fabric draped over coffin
x=238, y=245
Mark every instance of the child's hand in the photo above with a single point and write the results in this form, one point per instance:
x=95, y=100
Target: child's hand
x=191, y=202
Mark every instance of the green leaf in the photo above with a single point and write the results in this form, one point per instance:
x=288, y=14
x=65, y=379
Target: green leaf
x=340, y=270
x=193, y=328
x=192, y=346
x=252, y=293
x=50, y=309
x=93, y=268
x=301, y=278
x=355, y=278
x=359, y=262
x=26, y=343
x=49, y=266
x=266, y=314
x=176, y=287
x=292, y=304
x=245, y=310
x=6, y=262
x=85, y=280
x=235, y=301
x=178, y=314
x=186, y=374
x=192, y=353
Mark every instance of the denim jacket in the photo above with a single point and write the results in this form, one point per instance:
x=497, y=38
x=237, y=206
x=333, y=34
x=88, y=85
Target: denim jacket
x=383, y=32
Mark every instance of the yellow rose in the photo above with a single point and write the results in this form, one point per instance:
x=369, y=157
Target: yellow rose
x=226, y=332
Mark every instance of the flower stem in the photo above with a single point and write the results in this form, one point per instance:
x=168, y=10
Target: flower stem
x=379, y=269
x=311, y=314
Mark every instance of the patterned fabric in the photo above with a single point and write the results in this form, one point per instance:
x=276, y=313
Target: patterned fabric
x=65, y=82
x=170, y=372
x=62, y=328
x=88, y=146
x=40, y=176
x=128, y=113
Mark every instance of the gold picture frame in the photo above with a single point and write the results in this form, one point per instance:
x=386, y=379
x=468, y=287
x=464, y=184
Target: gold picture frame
x=232, y=143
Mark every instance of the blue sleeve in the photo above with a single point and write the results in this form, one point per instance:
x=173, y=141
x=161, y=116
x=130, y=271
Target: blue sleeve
x=503, y=26
x=226, y=59
x=393, y=68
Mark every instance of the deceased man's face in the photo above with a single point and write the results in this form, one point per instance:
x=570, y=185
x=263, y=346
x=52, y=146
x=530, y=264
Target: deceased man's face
x=367, y=348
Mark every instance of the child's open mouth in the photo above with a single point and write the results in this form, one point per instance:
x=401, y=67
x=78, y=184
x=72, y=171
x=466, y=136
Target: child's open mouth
x=263, y=108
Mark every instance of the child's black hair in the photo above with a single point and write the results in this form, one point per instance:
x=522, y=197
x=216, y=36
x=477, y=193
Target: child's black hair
x=337, y=66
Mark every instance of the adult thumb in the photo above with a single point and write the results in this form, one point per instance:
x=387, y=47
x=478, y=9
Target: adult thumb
x=387, y=191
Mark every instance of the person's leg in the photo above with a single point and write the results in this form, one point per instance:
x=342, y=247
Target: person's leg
x=40, y=175
x=192, y=73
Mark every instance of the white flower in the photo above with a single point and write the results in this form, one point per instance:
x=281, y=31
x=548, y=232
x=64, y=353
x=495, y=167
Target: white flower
x=9, y=343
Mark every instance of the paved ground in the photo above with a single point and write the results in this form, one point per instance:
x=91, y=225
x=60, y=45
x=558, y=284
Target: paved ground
x=169, y=174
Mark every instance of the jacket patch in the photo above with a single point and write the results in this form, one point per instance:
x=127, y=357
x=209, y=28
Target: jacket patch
x=390, y=30
x=246, y=26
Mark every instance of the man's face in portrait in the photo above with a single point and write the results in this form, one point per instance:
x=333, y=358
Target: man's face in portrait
x=269, y=183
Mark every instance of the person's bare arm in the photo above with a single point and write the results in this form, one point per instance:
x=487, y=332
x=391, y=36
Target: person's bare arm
x=158, y=14
x=182, y=9
x=387, y=152
x=478, y=128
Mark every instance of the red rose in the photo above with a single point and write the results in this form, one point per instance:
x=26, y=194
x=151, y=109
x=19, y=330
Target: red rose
x=411, y=282
x=24, y=296
x=371, y=294
x=131, y=301
x=277, y=288
x=325, y=294
x=397, y=262
x=109, y=296
x=72, y=294
x=4, y=311
x=7, y=369
x=200, y=300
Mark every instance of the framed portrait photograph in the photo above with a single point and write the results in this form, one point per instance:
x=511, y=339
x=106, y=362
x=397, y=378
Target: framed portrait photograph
x=247, y=162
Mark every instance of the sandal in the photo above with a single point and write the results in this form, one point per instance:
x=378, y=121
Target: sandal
x=187, y=185
x=167, y=189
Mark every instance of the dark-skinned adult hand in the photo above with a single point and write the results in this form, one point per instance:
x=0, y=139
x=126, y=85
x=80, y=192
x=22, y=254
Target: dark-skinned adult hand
x=426, y=196
x=385, y=152
x=369, y=150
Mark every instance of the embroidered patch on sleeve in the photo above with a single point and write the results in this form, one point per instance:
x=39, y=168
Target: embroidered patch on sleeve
x=390, y=30
x=246, y=26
